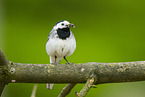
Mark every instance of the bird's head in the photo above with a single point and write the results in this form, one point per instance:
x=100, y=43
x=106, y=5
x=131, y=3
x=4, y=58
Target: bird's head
x=63, y=24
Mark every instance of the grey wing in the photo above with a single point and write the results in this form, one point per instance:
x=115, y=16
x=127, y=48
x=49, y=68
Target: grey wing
x=50, y=34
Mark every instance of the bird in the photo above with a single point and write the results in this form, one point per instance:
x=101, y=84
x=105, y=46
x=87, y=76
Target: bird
x=61, y=43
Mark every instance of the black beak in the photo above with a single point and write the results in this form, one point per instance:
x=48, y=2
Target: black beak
x=71, y=25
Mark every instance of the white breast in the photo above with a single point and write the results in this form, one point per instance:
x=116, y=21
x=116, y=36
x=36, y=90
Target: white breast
x=60, y=48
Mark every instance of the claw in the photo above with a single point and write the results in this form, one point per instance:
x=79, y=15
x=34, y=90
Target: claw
x=68, y=63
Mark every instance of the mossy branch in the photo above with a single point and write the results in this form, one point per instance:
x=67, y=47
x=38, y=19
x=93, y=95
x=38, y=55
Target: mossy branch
x=77, y=73
x=69, y=73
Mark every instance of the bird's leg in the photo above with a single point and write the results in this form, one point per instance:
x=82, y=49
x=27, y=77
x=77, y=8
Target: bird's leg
x=66, y=60
x=52, y=60
x=55, y=59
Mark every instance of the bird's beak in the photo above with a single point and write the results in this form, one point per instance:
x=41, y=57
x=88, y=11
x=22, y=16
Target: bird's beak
x=71, y=25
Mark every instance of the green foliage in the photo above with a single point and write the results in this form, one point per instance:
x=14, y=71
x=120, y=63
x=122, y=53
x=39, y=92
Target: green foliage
x=106, y=31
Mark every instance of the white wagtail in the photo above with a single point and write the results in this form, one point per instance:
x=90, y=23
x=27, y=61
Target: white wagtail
x=61, y=43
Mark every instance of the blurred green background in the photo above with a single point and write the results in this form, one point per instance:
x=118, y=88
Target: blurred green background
x=106, y=31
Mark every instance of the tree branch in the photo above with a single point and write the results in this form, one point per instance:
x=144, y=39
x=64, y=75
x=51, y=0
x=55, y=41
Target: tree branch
x=77, y=73
x=3, y=71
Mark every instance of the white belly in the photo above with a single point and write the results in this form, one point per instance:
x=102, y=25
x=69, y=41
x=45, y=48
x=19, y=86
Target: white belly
x=60, y=48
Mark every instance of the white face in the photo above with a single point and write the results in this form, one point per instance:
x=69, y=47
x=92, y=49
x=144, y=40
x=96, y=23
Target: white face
x=63, y=24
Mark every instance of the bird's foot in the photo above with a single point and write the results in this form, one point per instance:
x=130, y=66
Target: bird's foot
x=54, y=63
x=69, y=63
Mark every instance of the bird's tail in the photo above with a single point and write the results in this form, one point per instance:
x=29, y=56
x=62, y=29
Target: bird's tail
x=56, y=61
x=49, y=86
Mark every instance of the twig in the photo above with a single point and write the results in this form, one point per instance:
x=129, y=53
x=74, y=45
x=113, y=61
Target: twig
x=34, y=90
x=86, y=88
x=65, y=91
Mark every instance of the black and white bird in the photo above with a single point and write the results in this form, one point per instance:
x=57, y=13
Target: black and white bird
x=61, y=43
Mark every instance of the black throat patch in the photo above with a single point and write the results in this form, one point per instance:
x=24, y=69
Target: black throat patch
x=63, y=33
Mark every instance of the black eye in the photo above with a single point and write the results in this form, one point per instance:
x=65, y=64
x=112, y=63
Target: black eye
x=62, y=24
